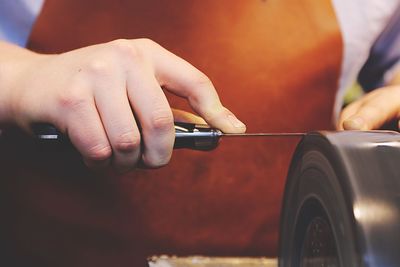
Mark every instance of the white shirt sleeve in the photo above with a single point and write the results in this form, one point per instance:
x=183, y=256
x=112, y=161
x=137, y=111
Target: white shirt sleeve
x=361, y=21
x=17, y=18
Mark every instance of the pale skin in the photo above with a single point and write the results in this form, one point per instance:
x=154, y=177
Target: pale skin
x=374, y=109
x=98, y=95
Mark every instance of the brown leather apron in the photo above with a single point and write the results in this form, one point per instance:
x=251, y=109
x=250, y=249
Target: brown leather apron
x=275, y=63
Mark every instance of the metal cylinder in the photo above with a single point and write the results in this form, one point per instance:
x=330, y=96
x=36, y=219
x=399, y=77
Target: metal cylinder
x=342, y=201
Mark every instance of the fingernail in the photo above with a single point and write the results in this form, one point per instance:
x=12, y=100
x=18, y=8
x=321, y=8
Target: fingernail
x=235, y=122
x=356, y=123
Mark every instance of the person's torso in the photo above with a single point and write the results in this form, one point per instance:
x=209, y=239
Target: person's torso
x=275, y=63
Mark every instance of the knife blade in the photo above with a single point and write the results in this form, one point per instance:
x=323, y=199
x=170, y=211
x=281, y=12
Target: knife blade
x=204, y=137
x=187, y=135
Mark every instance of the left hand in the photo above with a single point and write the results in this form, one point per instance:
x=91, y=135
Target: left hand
x=372, y=111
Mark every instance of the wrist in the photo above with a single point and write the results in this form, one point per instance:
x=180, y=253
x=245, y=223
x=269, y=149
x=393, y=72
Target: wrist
x=15, y=63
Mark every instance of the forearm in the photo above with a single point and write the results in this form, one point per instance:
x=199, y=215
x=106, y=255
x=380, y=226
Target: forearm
x=14, y=61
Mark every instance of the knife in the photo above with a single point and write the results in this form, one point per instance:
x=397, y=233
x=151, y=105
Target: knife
x=187, y=135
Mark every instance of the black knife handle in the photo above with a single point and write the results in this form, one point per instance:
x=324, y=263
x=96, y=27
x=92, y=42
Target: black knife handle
x=196, y=136
x=187, y=135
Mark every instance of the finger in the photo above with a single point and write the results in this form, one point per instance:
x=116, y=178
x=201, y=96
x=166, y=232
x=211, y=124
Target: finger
x=182, y=79
x=120, y=125
x=346, y=113
x=376, y=109
x=184, y=116
x=154, y=113
x=86, y=132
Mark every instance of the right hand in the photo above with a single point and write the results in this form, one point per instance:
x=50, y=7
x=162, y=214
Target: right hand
x=98, y=95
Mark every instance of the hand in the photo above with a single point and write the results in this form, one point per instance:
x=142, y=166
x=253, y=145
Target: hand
x=99, y=95
x=372, y=111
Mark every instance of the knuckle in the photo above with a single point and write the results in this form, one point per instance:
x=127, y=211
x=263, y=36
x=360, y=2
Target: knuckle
x=156, y=162
x=126, y=49
x=127, y=142
x=202, y=80
x=121, y=43
x=161, y=120
x=99, y=153
x=144, y=48
x=73, y=99
x=146, y=42
x=98, y=68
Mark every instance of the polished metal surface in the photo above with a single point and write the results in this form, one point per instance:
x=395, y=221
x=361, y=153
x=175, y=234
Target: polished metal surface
x=352, y=181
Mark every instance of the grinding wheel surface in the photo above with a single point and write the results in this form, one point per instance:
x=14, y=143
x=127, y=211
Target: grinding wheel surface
x=341, y=202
